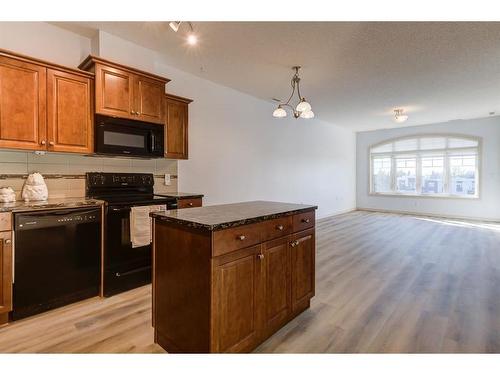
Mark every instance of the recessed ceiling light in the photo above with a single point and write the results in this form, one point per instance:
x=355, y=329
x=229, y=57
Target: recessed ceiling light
x=399, y=117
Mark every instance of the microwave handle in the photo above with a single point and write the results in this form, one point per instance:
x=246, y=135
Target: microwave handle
x=152, y=140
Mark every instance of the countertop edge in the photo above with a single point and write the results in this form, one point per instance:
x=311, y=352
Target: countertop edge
x=23, y=207
x=230, y=224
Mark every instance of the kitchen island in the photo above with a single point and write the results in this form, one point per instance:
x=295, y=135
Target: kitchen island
x=226, y=277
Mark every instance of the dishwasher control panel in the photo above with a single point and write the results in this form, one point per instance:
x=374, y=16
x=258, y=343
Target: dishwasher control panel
x=32, y=220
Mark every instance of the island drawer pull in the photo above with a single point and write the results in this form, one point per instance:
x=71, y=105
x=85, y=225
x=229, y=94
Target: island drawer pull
x=280, y=227
x=241, y=237
x=306, y=220
x=260, y=256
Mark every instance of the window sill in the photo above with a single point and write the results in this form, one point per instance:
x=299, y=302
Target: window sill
x=435, y=196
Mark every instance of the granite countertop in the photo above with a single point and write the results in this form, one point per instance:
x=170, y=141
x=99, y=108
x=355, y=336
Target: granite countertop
x=230, y=215
x=51, y=203
x=180, y=195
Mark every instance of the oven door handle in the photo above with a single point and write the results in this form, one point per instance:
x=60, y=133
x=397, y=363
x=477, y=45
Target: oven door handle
x=119, y=209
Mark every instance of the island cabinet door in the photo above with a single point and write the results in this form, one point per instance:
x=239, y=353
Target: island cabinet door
x=236, y=301
x=302, y=249
x=277, y=279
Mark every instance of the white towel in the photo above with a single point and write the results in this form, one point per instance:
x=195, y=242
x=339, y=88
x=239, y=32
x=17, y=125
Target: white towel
x=140, y=224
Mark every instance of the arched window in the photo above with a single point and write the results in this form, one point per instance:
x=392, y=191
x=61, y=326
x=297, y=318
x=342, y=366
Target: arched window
x=431, y=165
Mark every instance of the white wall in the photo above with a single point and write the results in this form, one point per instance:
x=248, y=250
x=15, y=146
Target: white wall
x=237, y=150
x=486, y=207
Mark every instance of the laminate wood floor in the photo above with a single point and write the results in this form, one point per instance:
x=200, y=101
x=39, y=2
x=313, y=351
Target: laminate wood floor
x=385, y=283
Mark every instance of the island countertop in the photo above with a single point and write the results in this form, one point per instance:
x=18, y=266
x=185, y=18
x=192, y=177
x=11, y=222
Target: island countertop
x=230, y=215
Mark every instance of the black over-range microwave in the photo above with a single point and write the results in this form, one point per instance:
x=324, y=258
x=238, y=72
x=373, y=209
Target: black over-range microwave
x=116, y=136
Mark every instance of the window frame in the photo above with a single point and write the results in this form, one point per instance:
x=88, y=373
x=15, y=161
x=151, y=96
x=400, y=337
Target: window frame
x=446, y=152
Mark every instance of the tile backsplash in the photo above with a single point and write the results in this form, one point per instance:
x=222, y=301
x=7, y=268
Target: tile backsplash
x=68, y=165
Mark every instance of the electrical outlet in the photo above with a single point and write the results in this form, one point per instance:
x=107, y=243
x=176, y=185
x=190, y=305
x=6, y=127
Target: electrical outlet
x=167, y=179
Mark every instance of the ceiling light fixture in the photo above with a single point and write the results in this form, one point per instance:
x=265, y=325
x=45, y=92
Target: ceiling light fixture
x=399, y=117
x=174, y=25
x=191, y=38
x=302, y=109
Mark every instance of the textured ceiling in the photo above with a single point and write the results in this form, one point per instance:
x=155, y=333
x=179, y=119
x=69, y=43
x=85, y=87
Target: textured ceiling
x=354, y=73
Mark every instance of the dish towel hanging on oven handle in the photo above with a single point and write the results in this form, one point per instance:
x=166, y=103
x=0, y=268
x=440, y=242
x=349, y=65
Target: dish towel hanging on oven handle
x=140, y=224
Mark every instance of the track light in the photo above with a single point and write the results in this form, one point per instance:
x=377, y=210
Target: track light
x=174, y=25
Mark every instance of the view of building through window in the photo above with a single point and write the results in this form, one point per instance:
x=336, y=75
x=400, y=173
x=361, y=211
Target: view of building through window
x=430, y=166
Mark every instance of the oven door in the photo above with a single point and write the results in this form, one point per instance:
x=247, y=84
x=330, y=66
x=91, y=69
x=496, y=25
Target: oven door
x=125, y=267
x=115, y=136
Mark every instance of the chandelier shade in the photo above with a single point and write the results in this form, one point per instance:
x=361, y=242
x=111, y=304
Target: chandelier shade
x=303, y=108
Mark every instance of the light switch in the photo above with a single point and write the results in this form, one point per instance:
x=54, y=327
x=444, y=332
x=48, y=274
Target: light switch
x=167, y=178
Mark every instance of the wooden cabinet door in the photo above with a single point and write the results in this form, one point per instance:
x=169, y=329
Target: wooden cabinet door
x=22, y=105
x=114, y=92
x=277, y=280
x=302, y=249
x=149, y=100
x=5, y=272
x=176, y=129
x=69, y=108
x=236, y=300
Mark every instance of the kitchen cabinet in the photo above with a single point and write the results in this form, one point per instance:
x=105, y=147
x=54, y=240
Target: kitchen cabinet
x=23, y=115
x=236, y=292
x=44, y=106
x=126, y=92
x=302, y=268
x=189, y=202
x=176, y=126
x=6, y=271
x=69, y=112
x=228, y=290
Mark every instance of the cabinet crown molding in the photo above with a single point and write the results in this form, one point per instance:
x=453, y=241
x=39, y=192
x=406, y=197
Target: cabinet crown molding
x=178, y=98
x=91, y=60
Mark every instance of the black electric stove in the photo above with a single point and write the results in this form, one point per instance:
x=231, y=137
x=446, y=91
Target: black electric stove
x=124, y=267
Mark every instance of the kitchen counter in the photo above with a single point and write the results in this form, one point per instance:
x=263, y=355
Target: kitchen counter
x=51, y=203
x=180, y=195
x=230, y=215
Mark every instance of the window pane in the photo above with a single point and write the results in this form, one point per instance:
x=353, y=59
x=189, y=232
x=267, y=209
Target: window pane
x=432, y=143
x=382, y=148
x=406, y=145
x=461, y=143
x=406, y=175
x=433, y=175
x=463, y=175
x=381, y=175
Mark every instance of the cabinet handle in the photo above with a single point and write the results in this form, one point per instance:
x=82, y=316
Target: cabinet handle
x=190, y=204
x=279, y=227
x=42, y=142
x=306, y=220
x=294, y=243
x=241, y=237
x=51, y=143
x=260, y=256
x=8, y=242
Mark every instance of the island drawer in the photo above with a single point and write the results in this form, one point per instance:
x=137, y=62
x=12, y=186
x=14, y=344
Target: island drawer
x=5, y=221
x=303, y=221
x=187, y=203
x=230, y=239
x=276, y=228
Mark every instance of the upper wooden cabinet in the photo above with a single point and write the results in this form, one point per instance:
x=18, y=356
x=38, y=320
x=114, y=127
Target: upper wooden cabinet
x=176, y=126
x=44, y=106
x=126, y=92
x=69, y=112
x=23, y=115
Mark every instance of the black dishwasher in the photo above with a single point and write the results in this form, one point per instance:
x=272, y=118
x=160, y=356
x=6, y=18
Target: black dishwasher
x=57, y=259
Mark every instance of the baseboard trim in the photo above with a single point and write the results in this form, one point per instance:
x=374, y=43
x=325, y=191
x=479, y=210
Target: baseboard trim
x=442, y=216
x=343, y=212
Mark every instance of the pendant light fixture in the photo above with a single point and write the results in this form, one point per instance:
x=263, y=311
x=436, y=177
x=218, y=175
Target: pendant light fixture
x=302, y=109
